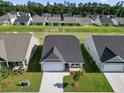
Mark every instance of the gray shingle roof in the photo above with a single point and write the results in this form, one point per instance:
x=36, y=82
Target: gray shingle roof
x=109, y=46
x=13, y=47
x=22, y=19
x=70, y=20
x=85, y=21
x=4, y=18
x=120, y=20
x=38, y=19
x=54, y=20
x=62, y=47
x=105, y=20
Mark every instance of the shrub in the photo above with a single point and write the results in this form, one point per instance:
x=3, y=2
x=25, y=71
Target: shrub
x=4, y=72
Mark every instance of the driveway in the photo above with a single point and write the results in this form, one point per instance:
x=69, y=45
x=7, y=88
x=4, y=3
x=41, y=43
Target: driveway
x=52, y=82
x=117, y=81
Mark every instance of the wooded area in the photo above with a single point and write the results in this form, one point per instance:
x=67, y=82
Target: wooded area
x=66, y=7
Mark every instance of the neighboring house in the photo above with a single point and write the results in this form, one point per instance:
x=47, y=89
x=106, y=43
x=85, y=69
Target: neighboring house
x=38, y=20
x=107, y=52
x=61, y=53
x=85, y=21
x=17, y=49
x=78, y=16
x=8, y=18
x=103, y=20
x=23, y=19
x=54, y=21
x=5, y=19
x=71, y=21
x=119, y=21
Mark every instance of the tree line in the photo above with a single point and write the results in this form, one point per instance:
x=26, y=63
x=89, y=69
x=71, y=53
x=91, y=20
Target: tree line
x=66, y=7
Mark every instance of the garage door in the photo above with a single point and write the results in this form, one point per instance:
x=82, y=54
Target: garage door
x=53, y=66
x=117, y=68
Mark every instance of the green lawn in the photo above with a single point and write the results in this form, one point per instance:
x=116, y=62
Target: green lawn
x=33, y=74
x=92, y=80
x=11, y=28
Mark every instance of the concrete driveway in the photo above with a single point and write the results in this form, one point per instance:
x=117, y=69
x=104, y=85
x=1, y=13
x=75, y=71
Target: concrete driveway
x=52, y=82
x=117, y=81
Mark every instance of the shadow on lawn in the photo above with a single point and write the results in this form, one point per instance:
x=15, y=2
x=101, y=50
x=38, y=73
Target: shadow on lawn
x=34, y=65
x=88, y=66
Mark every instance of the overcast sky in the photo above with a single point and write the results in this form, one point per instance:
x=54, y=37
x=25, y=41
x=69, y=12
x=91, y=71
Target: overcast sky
x=111, y=2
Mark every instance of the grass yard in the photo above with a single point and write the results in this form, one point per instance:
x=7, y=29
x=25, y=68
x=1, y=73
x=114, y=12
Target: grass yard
x=33, y=74
x=35, y=80
x=14, y=28
x=92, y=80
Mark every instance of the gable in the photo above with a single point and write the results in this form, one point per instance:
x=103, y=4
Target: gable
x=116, y=59
x=107, y=54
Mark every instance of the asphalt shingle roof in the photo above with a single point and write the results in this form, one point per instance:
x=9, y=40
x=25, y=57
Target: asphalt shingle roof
x=38, y=19
x=62, y=47
x=22, y=19
x=54, y=20
x=109, y=46
x=13, y=47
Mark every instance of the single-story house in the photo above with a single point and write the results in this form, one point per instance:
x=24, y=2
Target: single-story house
x=17, y=49
x=54, y=21
x=107, y=52
x=5, y=19
x=71, y=21
x=9, y=18
x=61, y=53
x=38, y=20
x=85, y=21
x=119, y=21
x=103, y=20
x=23, y=19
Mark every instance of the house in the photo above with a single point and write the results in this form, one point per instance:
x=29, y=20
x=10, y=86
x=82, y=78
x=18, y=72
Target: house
x=103, y=20
x=71, y=21
x=54, y=21
x=5, y=19
x=85, y=21
x=119, y=22
x=107, y=52
x=38, y=20
x=9, y=18
x=23, y=19
x=61, y=53
x=17, y=49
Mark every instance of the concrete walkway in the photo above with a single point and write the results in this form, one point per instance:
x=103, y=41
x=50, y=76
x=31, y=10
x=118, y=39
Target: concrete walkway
x=117, y=81
x=52, y=82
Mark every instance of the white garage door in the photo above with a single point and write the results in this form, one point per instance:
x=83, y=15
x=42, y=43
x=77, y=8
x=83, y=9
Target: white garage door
x=117, y=68
x=53, y=66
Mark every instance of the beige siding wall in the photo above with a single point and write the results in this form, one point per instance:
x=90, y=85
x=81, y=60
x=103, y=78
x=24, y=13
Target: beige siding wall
x=33, y=42
x=90, y=47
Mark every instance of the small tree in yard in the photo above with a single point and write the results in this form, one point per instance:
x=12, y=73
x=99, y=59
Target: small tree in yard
x=4, y=72
x=76, y=77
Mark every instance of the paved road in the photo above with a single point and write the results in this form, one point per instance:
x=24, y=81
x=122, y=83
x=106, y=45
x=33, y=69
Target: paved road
x=52, y=82
x=117, y=81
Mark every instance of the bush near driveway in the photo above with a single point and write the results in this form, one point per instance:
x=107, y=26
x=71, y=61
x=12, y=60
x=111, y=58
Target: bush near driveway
x=91, y=81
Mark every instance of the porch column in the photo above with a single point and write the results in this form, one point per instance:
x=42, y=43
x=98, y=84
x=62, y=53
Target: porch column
x=7, y=64
x=23, y=64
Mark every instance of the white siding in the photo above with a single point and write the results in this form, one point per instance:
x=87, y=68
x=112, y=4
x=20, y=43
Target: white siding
x=90, y=47
x=113, y=67
x=33, y=42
